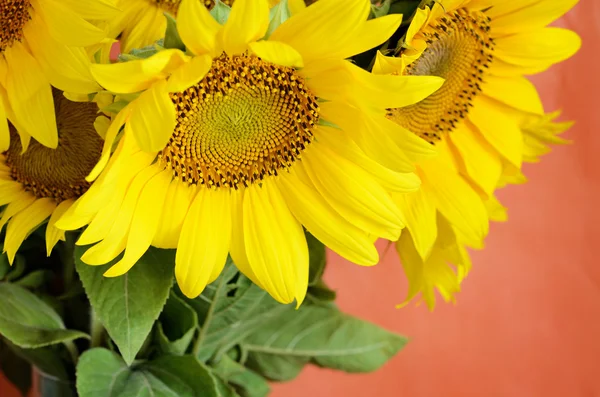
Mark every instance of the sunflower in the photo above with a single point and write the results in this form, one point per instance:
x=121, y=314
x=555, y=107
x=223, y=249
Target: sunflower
x=42, y=44
x=484, y=122
x=142, y=22
x=236, y=148
x=42, y=183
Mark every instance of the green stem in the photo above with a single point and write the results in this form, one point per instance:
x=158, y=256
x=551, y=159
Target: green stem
x=72, y=351
x=96, y=330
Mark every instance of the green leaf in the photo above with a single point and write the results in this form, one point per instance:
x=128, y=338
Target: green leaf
x=29, y=322
x=176, y=327
x=278, y=15
x=381, y=9
x=247, y=381
x=102, y=373
x=15, y=369
x=317, y=259
x=224, y=389
x=220, y=12
x=115, y=107
x=321, y=335
x=34, y=279
x=128, y=305
x=46, y=360
x=4, y=265
x=172, y=39
x=229, y=309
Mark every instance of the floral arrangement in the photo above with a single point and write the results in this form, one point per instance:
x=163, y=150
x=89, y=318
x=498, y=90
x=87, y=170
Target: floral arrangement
x=164, y=215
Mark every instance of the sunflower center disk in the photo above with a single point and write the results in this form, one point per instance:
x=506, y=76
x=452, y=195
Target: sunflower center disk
x=245, y=120
x=459, y=49
x=14, y=14
x=59, y=173
x=172, y=5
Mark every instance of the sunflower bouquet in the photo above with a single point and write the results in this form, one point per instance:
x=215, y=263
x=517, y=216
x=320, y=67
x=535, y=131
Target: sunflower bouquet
x=165, y=211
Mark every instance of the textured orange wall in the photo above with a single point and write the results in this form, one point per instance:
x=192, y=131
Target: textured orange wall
x=528, y=320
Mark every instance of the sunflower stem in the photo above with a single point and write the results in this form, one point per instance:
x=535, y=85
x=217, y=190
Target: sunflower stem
x=96, y=330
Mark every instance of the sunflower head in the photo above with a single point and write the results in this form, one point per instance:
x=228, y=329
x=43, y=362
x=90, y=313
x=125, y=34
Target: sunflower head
x=236, y=145
x=14, y=14
x=43, y=182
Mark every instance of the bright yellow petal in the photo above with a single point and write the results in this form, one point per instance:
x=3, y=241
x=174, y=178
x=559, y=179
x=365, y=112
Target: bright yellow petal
x=535, y=51
x=25, y=222
x=144, y=223
x=372, y=33
x=526, y=17
x=204, y=241
x=98, y=10
x=480, y=161
x=66, y=26
x=149, y=28
x=420, y=214
x=275, y=244
x=498, y=129
x=353, y=192
x=21, y=201
x=456, y=200
x=189, y=74
x=178, y=201
x=517, y=92
x=197, y=28
x=134, y=76
x=29, y=92
x=323, y=222
x=67, y=68
x=321, y=30
x=277, y=52
x=115, y=242
x=9, y=191
x=54, y=235
x=4, y=132
x=247, y=22
x=496, y=211
x=153, y=118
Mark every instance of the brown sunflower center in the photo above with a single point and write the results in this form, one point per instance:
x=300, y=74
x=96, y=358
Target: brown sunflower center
x=245, y=120
x=59, y=173
x=172, y=5
x=14, y=14
x=459, y=49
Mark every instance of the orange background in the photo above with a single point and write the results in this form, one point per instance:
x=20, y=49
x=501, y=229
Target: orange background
x=528, y=320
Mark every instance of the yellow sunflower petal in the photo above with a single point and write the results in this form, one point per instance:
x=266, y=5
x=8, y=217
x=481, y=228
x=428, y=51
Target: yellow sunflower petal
x=189, y=73
x=134, y=76
x=371, y=34
x=498, y=129
x=277, y=52
x=456, y=200
x=204, y=241
x=525, y=17
x=323, y=222
x=420, y=214
x=247, y=22
x=66, y=26
x=20, y=202
x=150, y=27
x=53, y=234
x=517, y=92
x=310, y=31
x=481, y=162
x=144, y=223
x=4, y=132
x=23, y=223
x=153, y=119
x=98, y=10
x=197, y=28
x=353, y=193
x=275, y=244
x=535, y=51
x=29, y=92
x=178, y=201
x=237, y=250
x=67, y=67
